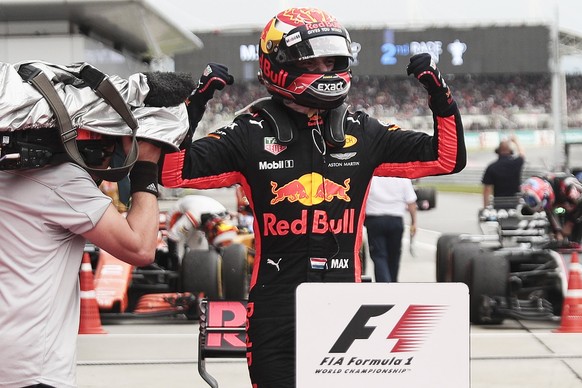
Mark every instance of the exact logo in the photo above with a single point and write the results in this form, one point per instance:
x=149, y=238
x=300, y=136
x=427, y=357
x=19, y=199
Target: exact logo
x=332, y=87
x=410, y=332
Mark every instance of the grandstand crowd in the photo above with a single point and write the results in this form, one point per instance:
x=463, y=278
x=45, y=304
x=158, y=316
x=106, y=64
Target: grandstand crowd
x=498, y=102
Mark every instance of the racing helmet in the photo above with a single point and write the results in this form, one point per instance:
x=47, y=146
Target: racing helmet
x=297, y=34
x=218, y=229
x=537, y=194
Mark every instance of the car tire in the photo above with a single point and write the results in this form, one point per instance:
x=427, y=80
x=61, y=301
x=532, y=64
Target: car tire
x=461, y=257
x=200, y=273
x=431, y=195
x=425, y=198
x=444, y=249
x=489, y=276
x=235, y=273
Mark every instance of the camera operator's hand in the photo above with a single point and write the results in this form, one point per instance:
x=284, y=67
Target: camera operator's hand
x=143, y=176
x=215, y=77
x=425, y=71
x=149, y=151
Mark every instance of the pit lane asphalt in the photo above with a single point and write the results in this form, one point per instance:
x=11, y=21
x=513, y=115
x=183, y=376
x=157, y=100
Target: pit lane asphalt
x=163, y=353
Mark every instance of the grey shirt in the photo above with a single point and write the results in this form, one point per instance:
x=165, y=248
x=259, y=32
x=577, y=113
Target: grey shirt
x=43, y=213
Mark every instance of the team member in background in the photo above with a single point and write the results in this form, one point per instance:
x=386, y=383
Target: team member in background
x=388, y=201
x=503, y=177
x=305, y=162
x=552, y=192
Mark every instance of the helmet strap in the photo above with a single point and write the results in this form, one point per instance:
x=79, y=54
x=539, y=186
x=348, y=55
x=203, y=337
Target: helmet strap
x=277, y=117
x=333, y=132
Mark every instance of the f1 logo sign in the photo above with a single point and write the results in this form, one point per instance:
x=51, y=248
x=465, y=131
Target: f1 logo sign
x=409, y=332
x=357, y=328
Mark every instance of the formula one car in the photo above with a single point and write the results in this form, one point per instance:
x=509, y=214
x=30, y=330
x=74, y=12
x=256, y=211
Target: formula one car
x=514, y=270
x=197, y=257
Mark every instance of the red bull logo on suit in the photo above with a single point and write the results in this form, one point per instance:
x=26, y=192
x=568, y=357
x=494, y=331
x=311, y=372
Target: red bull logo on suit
x=310, y=189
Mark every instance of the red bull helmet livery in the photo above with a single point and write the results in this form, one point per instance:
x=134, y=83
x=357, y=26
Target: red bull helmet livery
x=304, y=33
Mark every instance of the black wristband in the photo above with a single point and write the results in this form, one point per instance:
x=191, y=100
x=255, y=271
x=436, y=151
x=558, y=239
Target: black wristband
x=144, y=177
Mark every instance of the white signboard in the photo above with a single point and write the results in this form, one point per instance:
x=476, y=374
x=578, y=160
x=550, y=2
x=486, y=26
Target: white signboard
x=397, y=335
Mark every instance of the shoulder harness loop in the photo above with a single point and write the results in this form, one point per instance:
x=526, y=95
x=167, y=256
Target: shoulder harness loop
x=285, y=129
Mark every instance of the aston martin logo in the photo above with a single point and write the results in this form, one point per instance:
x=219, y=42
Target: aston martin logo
x=344, y=156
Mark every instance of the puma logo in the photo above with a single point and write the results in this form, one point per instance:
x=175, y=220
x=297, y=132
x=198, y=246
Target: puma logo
x=259, y=123
x=276, y=264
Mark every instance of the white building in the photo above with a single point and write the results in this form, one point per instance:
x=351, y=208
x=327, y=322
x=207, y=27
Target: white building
x=116, y=36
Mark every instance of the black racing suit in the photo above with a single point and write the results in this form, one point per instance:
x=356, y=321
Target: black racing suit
x=307, y=200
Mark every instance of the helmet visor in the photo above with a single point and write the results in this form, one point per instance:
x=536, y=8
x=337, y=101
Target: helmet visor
x=320, y=46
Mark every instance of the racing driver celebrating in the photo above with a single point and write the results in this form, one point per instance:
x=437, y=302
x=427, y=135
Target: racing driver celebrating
x=305, y=162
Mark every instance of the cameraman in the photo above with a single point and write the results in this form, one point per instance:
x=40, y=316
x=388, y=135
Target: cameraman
x=48, y=213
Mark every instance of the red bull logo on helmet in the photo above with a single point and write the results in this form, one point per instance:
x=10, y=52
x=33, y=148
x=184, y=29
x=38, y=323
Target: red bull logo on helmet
x=312, y=18
x=310, y=189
